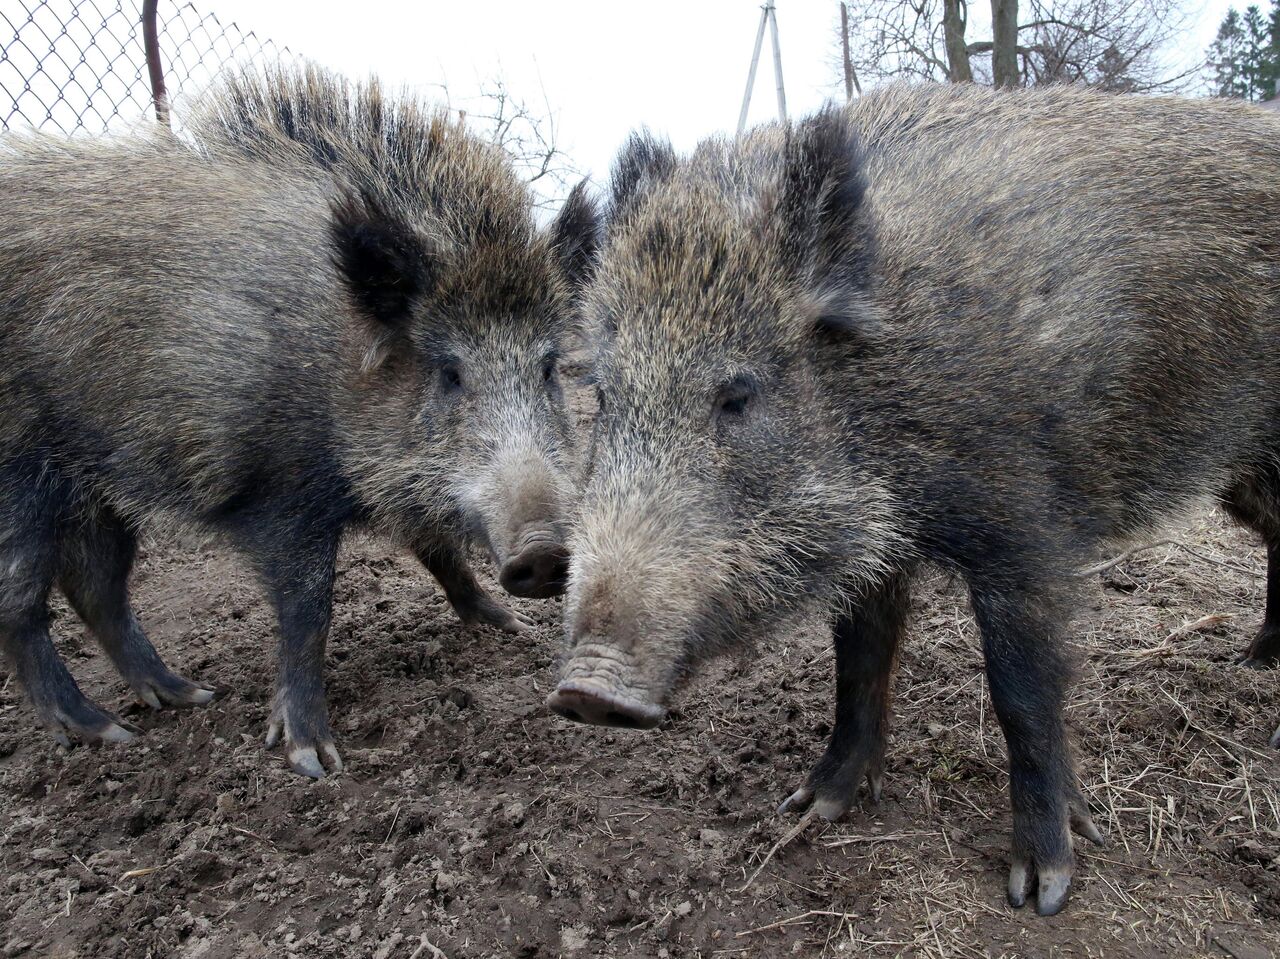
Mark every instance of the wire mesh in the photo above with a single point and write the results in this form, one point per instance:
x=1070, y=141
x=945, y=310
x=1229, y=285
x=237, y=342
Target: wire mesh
x=79, y=66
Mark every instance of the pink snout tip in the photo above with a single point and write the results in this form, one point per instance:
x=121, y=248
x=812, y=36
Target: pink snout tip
x=585, y=701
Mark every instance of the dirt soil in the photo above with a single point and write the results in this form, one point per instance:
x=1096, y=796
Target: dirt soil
x=471, y=822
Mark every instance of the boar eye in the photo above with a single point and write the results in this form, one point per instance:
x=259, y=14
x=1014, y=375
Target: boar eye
x=732, y=399
x=450, y=378
x=548, y=369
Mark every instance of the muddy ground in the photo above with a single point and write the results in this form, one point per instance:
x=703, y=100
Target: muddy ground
x=470, y=822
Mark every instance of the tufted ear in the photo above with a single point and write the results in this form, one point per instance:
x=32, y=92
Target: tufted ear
x=385, y=265
x=575, y=235
x=643, y=162
x=819, y=210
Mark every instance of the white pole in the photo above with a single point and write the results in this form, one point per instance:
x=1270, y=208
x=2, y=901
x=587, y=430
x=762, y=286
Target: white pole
x=751, y=74
x=772, y=12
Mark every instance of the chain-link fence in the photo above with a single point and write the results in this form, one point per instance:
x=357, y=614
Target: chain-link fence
x=75, y=66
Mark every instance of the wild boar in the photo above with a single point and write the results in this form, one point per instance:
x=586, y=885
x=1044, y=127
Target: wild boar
x=985, y=331
x=324, y=308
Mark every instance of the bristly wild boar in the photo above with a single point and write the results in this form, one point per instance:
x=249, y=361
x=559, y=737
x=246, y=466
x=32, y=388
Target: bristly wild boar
x=985, y=331
x=330, y=308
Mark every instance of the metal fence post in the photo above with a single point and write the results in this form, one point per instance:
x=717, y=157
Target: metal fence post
x=72, y=66
x=155, y=69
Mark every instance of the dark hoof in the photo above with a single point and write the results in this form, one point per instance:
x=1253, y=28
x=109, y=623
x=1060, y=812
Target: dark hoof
x=797, y=802
x=1255, y=662
x=85, y=722
x=305, y=760
x=1052, y=895
x=828, y=805
x=1264, y=651
x=832, y=786
x=1082, y=825
x=487, y=611
x=307, y=740
x=875, y=786
x=169, y=689
x=1052, y=887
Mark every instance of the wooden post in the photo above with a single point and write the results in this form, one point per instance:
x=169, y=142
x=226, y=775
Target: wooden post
x=768, y=18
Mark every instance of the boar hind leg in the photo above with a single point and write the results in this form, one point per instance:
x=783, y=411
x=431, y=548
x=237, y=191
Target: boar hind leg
x=471, y=601
x=1265, y=648
x=298, y=567
x=1027, y=676
x=28, y=564
x=1255, y=502
x=94, y=562
x=867, y=641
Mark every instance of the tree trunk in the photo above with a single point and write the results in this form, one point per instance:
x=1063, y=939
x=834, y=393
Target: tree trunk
x=850, y=75
x=1004, y=56
x=953, y=22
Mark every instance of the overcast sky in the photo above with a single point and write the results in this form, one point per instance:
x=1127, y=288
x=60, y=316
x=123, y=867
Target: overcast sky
x=678, y=66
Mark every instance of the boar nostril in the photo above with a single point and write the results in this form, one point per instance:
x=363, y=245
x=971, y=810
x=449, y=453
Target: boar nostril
x=603, y=708
x=538, y=572
x=615, y=718
x=518, y=577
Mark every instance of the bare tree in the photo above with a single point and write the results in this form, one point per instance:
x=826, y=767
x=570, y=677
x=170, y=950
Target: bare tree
x=529, y=134
x=846, y=58
x=954, y=21
x=1113, y=44
x=1004, y=43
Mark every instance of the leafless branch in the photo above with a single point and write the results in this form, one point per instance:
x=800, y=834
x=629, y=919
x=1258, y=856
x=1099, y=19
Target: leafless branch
x=529, y=134
x=1117, y=45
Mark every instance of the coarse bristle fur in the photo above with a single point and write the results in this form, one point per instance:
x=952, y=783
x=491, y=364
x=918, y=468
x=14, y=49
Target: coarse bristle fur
x=395, y=151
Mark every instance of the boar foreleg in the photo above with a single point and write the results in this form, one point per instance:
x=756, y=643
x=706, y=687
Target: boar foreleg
x=867, y=638
x=471, y=601
x=299, y=573
x=1028, y=676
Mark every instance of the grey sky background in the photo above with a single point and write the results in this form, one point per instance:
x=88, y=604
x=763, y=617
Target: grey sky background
x=678, y=66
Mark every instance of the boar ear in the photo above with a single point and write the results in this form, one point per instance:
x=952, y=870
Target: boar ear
x=819, y=210
x=849, y=312
x=643, y=162
x=575, y=235
x=385, y=266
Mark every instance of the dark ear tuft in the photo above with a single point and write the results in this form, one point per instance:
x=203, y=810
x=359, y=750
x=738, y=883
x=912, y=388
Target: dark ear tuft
x=381, y=259
x=822, y=187
x=819, y=206
x=643, y=162
x=575, y=234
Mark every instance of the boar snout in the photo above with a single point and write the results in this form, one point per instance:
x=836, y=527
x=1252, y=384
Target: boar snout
x=539, y=567
x=601, y=686
x=515, y=506
x=586, y=701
